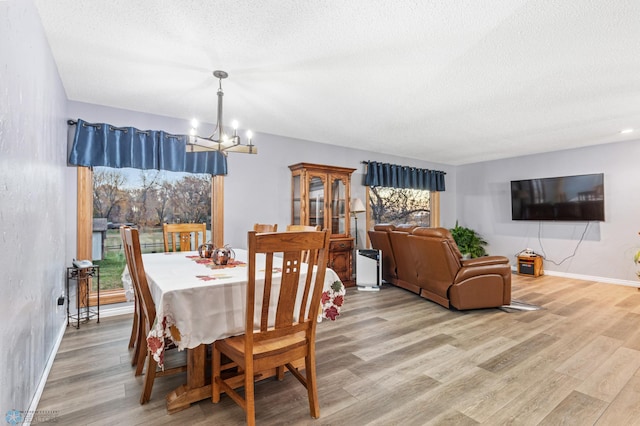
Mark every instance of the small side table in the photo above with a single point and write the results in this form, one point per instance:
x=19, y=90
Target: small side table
x=82, y=277
x=530, y=265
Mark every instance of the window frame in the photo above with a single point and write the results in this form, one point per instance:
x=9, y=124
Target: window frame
x=85, y=221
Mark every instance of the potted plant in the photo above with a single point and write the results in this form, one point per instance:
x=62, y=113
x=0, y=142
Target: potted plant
x=469, y=242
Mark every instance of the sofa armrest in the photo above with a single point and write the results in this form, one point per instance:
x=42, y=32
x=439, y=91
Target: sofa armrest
x=467, y=272
x=485, y=260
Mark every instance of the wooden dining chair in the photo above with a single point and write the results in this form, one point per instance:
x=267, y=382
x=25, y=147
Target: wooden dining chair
x=295, y=228
x=286, y=332
x=137, y=340
x=177, y=236
x=303, y=228
x=265, y=227
x=139, y=279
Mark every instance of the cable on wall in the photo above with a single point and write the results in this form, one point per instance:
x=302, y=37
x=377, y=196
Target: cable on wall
x=544, y=255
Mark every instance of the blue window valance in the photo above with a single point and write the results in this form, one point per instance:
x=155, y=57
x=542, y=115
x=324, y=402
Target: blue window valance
x=110, y=146
x=395, y=176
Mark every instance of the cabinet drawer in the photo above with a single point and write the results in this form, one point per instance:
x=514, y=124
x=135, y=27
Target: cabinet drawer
x=341, y=245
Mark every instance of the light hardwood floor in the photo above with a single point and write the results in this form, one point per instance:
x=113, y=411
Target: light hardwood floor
x=393, y=358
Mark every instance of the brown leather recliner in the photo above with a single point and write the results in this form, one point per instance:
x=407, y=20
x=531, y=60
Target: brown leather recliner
x=445, y=278
x=379, y=237
x=405, y=265
x=397, y=264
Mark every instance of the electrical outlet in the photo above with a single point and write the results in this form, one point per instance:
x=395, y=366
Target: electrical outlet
x=61, y=301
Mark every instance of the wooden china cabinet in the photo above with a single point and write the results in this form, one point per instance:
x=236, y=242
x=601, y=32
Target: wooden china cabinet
x=320, y=195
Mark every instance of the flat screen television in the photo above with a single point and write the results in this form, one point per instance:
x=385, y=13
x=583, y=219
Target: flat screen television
x=564, y=198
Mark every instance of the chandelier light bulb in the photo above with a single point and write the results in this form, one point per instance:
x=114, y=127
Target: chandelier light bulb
x=220, y=140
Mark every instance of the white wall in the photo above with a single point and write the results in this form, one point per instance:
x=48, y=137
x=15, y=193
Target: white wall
x=483, y=203
x=33, y=246
x=258, y=187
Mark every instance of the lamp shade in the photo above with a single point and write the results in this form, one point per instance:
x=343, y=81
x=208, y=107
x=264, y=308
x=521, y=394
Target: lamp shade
x=357, y=206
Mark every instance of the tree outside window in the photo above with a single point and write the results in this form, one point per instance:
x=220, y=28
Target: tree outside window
x=145, y=199
x=400, y=206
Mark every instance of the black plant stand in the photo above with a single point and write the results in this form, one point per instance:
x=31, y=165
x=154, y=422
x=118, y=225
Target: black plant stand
x=82, y=277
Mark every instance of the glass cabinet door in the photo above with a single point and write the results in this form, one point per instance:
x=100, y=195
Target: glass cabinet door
x=297, y=201
x=338, y=209
x=316, y=201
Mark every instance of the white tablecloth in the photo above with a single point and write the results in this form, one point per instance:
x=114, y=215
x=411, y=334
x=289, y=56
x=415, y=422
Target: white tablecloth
x=196, y=304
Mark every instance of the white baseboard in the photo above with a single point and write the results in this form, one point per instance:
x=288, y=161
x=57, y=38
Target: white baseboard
x=605, y=280
x=120, y=310
x=47, y=369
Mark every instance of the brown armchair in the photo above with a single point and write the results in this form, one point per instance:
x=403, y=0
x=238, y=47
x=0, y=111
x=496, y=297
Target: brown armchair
x=445, y=278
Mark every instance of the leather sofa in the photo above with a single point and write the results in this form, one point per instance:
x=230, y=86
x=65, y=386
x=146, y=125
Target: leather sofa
x=405, y=269
x=427, y=261
x=379, y=237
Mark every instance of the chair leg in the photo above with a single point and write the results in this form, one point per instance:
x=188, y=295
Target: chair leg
x=249, y=396
x=142, y=352
x=140, y=343
x=312, y=389
x=134, y=356
x=149, y=377
x=215, y=374
x=134, y=329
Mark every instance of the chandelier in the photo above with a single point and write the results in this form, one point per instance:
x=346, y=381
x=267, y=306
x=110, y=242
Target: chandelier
x=219, y=140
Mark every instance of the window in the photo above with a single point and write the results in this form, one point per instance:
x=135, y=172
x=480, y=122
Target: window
x=402, y=194
x=145, y=199
x=401, y=205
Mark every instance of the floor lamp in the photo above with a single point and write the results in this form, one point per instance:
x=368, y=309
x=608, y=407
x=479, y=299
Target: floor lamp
x=357, y=207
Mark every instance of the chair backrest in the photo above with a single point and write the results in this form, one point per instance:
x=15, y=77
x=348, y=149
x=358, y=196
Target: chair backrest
x=287, y=317
x=127, y=258
x=295, y=228
x=138, y=276
x=124, y=245
x=303, y=228
x=443, y=233
x=177, y=236
x=439, y=257
x=379, y=237
x=404, y=257
x=265, y=227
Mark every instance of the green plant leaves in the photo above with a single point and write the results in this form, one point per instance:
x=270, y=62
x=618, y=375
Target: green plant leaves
x=469, y=241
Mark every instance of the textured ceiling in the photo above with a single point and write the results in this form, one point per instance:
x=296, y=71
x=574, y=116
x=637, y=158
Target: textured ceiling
x=448, y=81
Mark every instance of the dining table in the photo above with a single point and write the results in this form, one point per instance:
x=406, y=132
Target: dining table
x=198, y=302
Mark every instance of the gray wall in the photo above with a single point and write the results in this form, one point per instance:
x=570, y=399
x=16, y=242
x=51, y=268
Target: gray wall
x=33, y=247
x=258, y=187
x=483, y=203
